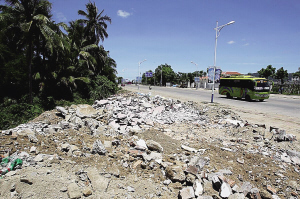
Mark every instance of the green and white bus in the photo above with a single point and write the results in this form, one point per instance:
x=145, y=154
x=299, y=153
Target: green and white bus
x=248, y=87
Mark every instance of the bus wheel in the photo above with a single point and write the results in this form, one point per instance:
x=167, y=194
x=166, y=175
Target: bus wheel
x=261, y=100
x=248, y=98
x=228, y=95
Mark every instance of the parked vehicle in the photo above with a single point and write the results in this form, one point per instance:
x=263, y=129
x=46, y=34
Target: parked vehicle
x=184, y=85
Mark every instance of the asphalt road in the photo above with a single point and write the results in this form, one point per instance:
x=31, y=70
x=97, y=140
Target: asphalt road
x=277, y=104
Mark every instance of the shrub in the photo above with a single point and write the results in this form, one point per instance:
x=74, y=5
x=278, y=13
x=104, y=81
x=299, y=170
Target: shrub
x=102, y=88
x=12, y=114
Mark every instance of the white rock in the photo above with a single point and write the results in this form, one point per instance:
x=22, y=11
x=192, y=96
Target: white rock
x=225, y=190
x=286, y=159
x=62, y=110
x=296, y=160
x=198, y=188
x=39, y=158
x=187, y=193
x=33, y=149
x=187, y=148
x=130, y=189
x=237, y=196
x=141, y=145
x=167, y=182
x=74, y=191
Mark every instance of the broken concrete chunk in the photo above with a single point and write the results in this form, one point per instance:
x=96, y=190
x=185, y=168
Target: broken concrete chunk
x=198, y=188
x=225, y=190
x=187, y=148
x=99, y=148
x=85, y=110
x=175, y=173
x=32, y=138
x=39, y=158
x=101, y=102
x=99, y=182
x=62, y=110
x=141, y=145
x=154, y=146
x=74, y=191
x=186, y=193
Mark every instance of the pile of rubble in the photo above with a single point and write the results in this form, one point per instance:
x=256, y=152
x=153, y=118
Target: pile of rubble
x=138, y=146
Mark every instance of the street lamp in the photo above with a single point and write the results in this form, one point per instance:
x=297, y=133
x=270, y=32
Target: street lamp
x=139, y=73
x=218, y=29
x=196, y=69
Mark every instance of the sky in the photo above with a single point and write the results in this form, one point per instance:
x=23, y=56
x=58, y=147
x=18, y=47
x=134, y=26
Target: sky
x=178, y=32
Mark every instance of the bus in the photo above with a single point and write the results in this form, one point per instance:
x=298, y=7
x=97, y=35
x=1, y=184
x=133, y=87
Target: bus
x=248, y=87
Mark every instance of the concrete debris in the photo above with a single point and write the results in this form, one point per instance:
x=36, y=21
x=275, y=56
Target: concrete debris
x=225, y=190
x=99, y=148
x=198, y=188
x=186, y=193
x=188, y=148
x=154, y=146
x=148, y=147
x=175, y=173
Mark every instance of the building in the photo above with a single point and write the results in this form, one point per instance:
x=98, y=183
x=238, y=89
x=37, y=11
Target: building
x=230, y=73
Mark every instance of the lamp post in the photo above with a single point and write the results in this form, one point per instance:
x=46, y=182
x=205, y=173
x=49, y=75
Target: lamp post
x=139, y=73
x=196, y=69
x=218, y=29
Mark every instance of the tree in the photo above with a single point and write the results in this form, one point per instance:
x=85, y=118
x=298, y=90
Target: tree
x=166, y=72
x=183, y=77
x=148, y=80
x=268, y=72
x=281, y=74
x=34, y=51
x=95, y=29
x=30, y=20
x=297, y=74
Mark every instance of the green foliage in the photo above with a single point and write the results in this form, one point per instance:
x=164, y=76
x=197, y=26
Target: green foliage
x=281, y=74
x=297, y=74
x=95, y=23
x=268, y=72
x=52, y=66
x=168, y=75
x=120, y=80
x=102, y=88
x=12, y=114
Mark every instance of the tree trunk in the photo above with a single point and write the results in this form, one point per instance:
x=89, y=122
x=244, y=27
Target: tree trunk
x=29, y=57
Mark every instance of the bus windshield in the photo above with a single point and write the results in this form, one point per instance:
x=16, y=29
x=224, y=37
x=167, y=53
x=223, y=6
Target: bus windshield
x=262, y=85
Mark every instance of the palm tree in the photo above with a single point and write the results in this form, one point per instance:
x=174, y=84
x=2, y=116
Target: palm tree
x=31, y=19
x=95, y=29
x=110, y=69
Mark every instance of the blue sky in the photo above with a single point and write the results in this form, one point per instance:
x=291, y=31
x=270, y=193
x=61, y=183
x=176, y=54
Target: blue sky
x=177, y=32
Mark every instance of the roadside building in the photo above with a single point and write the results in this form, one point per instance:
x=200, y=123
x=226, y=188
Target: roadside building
x=230, y=73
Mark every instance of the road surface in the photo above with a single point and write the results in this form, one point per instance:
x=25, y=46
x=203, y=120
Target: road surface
x=278, y=108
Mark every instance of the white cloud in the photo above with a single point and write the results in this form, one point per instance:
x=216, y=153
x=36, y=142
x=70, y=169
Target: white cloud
x=231, y=42
x=60, y=16
x=123, y=14
x=247, y=44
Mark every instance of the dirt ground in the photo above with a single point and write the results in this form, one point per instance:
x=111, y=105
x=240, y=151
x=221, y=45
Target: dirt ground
x=51, y=178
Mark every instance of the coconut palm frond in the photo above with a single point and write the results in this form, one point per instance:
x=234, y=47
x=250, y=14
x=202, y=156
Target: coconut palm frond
x=26, y=26
x=37, y=76
x=54, y=75
x=84, y=79
x=41, y=18
x=89, y=47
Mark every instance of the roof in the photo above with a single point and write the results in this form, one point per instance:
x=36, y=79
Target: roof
x=231, y=73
